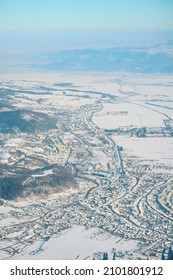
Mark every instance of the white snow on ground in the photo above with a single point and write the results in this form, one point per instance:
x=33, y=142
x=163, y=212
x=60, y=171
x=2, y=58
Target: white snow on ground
x=160, y=149
x=45, y=173
x=111, y=117
x=162, y=107
x=8, y=221
x=4, y=156
x=98, y=157
x=157, y=90
x=77, y=243
x=14, y=141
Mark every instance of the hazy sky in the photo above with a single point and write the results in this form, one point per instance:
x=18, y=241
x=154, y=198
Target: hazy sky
x=77, y=15
x=46, y=25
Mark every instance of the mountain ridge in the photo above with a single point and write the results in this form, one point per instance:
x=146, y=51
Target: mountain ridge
x=156, y=59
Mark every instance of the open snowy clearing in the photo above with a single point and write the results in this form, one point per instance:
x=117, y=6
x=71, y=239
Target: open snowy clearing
x=77, y=243
x=158, y=149
x=126, y=114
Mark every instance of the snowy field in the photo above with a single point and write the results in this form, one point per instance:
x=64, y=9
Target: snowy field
x=112, y=116
x=77, y=243
x=156, y=149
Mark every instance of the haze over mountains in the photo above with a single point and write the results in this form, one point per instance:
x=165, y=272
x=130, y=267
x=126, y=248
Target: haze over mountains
x=158, y=58
x=148, y=59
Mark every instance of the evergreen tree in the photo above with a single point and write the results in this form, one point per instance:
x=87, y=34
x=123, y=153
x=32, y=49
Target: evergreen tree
x=114, y=256
x=105, y=256
x=170, y=253
x=163, y=254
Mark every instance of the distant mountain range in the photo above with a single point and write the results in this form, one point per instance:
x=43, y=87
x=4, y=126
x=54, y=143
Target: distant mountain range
x=156, y=59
